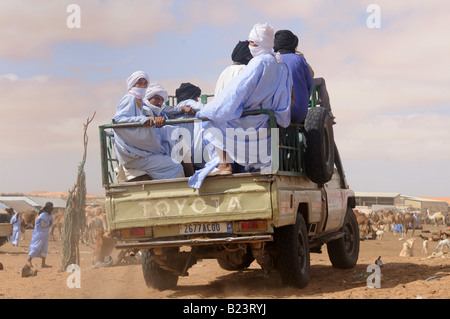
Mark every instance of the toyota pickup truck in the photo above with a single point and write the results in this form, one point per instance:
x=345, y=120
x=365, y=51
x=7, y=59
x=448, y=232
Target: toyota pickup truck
x=276, y=219
x=5, y=228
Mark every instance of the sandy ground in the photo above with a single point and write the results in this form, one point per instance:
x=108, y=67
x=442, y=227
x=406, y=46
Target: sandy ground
x=401, y=277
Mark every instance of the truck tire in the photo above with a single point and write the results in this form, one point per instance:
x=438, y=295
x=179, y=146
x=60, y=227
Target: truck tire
x=156, y=277
x=319, y=148
x=344, y=252
x=292, y=253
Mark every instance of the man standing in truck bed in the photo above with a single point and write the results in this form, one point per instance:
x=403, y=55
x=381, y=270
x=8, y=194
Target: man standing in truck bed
x=265, y=83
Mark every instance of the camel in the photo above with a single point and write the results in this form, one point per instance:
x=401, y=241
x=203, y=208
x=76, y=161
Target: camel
x=58, y=223
x=408, y=248
x=28, y=218
x=364, y=224
x=406, y=219
x=436, y=217
x=387, y=218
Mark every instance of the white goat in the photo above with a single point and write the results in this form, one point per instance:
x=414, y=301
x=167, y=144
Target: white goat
x=425, y=246
x=442, y=243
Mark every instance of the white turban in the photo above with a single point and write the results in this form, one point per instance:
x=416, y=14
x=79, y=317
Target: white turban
x=263, y=35
x=156, y=89
x=132, y=80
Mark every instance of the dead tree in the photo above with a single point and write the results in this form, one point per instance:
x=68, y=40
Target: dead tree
x=75, y=217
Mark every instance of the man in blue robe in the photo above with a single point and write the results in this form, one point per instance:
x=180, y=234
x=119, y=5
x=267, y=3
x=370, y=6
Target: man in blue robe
x=266, y=83
x=286, y=43
x=137, y=149
x=39, y=239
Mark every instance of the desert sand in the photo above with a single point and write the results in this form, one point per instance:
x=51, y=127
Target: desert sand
x=414, y=277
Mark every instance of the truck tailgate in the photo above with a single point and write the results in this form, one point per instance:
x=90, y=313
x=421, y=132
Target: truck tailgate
x=173, y=202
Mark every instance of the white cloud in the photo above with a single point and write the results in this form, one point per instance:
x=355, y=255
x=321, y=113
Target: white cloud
x=416, y=138
x=387, y=86
x=33, y=26
x=44, y=113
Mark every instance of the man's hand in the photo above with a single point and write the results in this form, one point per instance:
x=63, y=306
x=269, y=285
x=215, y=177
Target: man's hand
x=155, y=121
x=159, y=121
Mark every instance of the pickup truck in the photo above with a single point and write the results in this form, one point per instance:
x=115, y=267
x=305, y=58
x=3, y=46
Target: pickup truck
x=276, y=219
x=5, y=228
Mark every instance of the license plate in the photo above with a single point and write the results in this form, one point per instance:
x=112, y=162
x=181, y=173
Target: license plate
x=205, y=228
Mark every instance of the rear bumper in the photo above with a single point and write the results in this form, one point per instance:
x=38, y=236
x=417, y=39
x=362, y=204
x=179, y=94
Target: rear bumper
x=196, y=242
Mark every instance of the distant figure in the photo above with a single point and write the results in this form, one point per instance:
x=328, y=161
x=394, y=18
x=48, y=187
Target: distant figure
x=16, y=222
x=39, y=240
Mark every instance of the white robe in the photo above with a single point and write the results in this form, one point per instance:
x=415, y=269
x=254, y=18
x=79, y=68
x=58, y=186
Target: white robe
x=15, y=221
x=227, y=75
x=264, y=83
x=39, y=240
x=138, y=148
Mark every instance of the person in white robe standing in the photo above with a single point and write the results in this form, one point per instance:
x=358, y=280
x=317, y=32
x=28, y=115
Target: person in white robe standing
x=39, y=239
x=138, y=149
x=15, y=221
x=265, y=83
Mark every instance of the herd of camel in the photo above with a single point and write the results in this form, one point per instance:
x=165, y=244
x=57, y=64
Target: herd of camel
x=385, y=219
x=28, y=218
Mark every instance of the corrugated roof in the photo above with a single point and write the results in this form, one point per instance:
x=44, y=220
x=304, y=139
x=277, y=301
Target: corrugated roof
x=23, y=203
x=423, y=199
x=441, y=199
x=19, y=205
x=376, y=194
x=57, y=202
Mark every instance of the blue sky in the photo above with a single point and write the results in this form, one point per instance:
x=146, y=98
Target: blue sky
x=388, y=85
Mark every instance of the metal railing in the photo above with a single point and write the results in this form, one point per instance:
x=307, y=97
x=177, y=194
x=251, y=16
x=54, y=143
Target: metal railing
x=288, y=142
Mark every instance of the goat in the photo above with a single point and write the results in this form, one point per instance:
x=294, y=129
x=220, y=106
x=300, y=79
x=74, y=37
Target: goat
x=442, y=243
x=425, y=246
x=380, y=234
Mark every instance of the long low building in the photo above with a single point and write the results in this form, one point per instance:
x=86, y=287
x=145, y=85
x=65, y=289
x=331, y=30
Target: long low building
x=23, y=203
x=377, y=200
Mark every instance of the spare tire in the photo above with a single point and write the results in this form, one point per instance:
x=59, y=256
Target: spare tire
x=319, y=145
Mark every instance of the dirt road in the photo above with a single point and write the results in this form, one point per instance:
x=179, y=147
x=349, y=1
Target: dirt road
x=401, y=277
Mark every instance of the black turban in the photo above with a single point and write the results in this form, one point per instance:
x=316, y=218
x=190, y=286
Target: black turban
x=241, y=53
x=285, y=42
x=47, y=208
x=187, y=91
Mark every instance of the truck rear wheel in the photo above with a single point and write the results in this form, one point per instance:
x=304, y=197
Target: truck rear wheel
x=156, y=277
x=292, y=253
x=319, y=149
x=344, y=252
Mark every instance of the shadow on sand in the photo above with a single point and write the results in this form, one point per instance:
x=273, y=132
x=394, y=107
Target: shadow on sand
x=324, y=279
